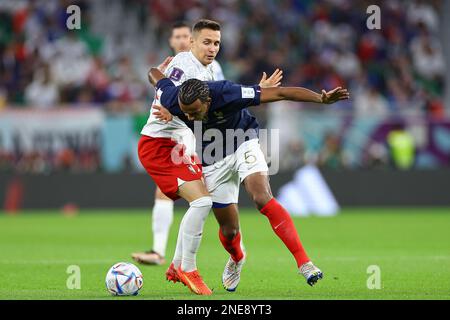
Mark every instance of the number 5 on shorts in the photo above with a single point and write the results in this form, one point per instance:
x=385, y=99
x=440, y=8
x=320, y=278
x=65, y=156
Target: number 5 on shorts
x=249, y=158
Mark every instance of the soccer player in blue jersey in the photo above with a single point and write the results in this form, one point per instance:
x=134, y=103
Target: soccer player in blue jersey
x=223, y=105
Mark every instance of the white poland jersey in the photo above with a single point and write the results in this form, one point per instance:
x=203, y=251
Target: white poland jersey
x=183, y=66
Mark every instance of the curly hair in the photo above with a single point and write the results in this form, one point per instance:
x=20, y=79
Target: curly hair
x=192, y=90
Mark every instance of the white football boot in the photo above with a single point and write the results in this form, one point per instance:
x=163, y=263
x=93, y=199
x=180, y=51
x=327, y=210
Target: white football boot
x=311, y=273
x=232, y=274
x=149, y=257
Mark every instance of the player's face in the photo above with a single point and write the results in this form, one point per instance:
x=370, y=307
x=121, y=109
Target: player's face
x=180, y=40
x=196, y=110
x=206, y=45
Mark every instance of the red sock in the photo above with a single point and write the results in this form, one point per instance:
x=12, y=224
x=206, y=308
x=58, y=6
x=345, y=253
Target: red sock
x=284, y=227
x=232, y=246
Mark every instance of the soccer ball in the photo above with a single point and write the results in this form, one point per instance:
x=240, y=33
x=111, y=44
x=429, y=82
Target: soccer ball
x=124, y=279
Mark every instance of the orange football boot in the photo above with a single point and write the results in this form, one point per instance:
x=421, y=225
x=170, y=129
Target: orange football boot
x=194, y=282
x=172, y=274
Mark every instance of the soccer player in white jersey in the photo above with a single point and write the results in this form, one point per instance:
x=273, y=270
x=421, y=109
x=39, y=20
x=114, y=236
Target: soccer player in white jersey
x=162, y=213
x=183, y=179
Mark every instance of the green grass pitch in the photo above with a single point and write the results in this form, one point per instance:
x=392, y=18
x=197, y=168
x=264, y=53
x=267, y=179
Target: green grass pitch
x=410, y=246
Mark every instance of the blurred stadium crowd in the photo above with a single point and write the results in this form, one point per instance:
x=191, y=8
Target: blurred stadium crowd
x=319, y=44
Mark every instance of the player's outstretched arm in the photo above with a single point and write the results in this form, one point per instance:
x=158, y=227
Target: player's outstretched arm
x=303, y=95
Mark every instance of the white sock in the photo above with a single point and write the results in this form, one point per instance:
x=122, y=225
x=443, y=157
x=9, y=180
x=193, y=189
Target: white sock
x=192, y=230
x=162, y=217
x=178, y=256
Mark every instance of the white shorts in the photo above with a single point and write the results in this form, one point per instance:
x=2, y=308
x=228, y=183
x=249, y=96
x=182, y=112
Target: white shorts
x=223, y=178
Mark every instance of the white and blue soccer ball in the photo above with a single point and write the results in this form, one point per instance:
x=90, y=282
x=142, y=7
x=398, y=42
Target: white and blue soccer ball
x=124, y=279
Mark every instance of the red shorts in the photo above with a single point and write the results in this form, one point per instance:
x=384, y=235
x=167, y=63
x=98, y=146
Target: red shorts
x=167, y=165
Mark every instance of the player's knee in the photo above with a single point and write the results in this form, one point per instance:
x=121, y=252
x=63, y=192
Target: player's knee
x=259, y=190
x=230, y=232
x=261, y=199
x=205, y=201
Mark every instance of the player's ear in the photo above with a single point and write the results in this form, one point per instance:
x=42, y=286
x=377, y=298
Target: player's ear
x=207, y=103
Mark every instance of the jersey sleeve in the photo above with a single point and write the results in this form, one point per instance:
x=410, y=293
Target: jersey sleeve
x=177, y=71
x=229, y=94
x=167, y=93
x=176, y=74
x=168, y=96
x=163, y=84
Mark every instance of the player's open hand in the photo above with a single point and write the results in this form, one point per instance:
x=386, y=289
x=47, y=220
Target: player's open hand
x=273, y=81
x=163, y=66
x=162, y=114
x=335, y=95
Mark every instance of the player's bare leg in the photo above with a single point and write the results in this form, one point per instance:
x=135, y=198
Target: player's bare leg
x=184, y=265
x=229, y=229
x=258, y=187
x=162, y=218
x=229, y=234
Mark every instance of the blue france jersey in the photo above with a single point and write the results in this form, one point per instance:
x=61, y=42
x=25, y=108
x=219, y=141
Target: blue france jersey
x=227, y=111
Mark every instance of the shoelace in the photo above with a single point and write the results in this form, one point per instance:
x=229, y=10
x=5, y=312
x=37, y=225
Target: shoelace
x=307, y=268
x=196, y=276
x=232, y=267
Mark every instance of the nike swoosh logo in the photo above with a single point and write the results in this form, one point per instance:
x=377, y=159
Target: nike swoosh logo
x=276, y=227
x=190, y=284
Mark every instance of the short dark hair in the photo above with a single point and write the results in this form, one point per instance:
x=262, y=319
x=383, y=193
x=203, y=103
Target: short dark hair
x=180, y=24
x=206, y=24
x=192, y=90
